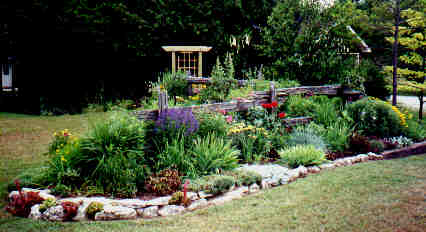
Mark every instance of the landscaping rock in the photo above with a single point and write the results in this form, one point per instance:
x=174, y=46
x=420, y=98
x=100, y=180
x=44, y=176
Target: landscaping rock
x=254, y=188
x=149, y=212
x=169, y=210
x=198, y=204
x=293, y=175
x=204, y=195
x=132, y=203
x=35, y=212
x=327, y=166
x=303, y=171
x=363, y=157
x=115, y=212
x=266, y=171
x=229, y=196
x=373, y=156
x=192, y=196
x=265, y=184
x=55, y=213
x=160, y=201
x=314, y=169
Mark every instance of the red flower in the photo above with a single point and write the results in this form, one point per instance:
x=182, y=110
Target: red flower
x=281, y=115
x=266, y=106
x=274, y=104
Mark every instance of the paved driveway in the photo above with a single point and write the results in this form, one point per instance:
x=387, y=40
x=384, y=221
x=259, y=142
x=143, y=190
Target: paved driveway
x=410, y=101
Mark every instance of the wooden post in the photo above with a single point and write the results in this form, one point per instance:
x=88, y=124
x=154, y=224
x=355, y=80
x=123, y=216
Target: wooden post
x=200, y=64
x=272, y=92
x=162, y=101
x=173, y=62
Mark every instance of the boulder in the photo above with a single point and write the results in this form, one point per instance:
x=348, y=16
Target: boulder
x=314, y=169
x=115, y=213
x=198, y=204
x=265, y=184
x=160, y=201
x=204, y=195
x=254, y=188
x=149, y=212
x=169, y=210
x=229, y=196
x=35, y=212
x=55, y=213
x=131, y=203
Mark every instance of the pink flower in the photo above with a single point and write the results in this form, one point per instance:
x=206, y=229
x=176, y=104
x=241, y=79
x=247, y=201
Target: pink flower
x=222, y=112
x=229, y=118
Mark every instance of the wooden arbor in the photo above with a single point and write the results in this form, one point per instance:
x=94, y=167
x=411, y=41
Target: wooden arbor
x=185, y=58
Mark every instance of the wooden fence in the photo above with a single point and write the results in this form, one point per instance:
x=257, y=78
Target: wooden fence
x=255, y=99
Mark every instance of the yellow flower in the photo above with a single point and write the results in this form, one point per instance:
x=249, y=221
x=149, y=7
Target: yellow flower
x=66, y=153
x=57, y=150
x=55, y=134
x=161, y=87
x=63, y=159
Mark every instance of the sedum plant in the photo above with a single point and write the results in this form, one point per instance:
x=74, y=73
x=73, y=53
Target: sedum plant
x=305, y=155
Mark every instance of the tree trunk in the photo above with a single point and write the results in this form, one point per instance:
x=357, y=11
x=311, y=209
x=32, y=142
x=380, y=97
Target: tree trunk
x=421, y=106
x=395, y=53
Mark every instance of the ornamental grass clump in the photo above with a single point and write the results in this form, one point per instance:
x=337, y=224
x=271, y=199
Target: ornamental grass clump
x=306, y=136
x=306, y=155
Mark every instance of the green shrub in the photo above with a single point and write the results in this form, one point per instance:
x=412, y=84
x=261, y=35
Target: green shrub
x=415, y=130
x=49, y=202
x=375, y=82
x=377, y=146
x=375, y=117
x=175, y=84
x=243, y=177
x=326, y=112
x=306, y=136
x=222, y=81
x=211, y=122
x=305, y=155
x=338, y=135
x=178, y=198
x=214, y=184
x=110, y=157
x=93, y=208
x=163, y=183
x=212, y=154
x=297, y=106
x=175, y=155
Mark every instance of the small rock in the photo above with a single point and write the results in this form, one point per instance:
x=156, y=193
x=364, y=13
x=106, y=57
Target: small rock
x=204, y=195
x=160, y=201
x=192, y=196
x=169, y=210
x=303, y=171
x=35, y=212
x=254, y=188
x=55, y=213
x=115, y=212
x=198, y=204
x=284, y=180
x=314, y=169
x=363, y=157
x=327, y=166
x=149, y=212
x=265, y=184
x=293, y=175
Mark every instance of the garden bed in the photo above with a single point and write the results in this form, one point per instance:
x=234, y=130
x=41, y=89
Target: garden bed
x=102, y=208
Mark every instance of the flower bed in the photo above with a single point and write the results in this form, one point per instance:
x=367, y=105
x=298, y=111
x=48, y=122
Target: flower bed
x=53, y=208
x=187, y=156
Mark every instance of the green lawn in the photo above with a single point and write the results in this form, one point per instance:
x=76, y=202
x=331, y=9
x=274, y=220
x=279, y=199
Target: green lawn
x=376, y=196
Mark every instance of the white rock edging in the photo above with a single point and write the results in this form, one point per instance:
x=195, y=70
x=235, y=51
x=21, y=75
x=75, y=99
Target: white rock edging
x=117, y=209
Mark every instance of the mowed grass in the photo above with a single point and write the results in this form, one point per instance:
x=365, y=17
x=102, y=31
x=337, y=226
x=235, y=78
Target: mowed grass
x=24, y=139
x=375, y=196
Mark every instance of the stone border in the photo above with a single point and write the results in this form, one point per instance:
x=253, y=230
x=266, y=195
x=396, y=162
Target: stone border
x=119, y=209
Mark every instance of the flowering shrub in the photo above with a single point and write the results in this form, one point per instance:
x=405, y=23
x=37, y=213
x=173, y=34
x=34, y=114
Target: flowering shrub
x=165, y=182
x=60, y=139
